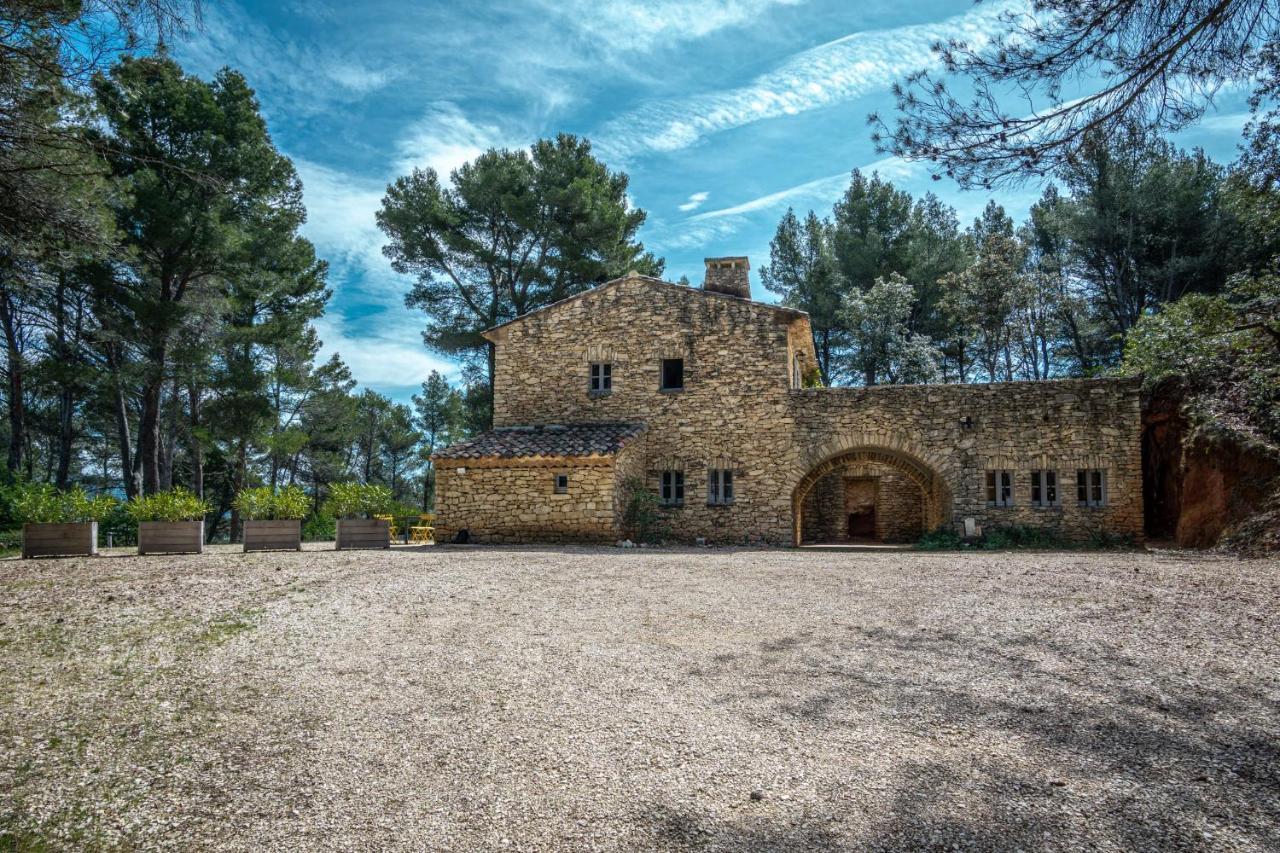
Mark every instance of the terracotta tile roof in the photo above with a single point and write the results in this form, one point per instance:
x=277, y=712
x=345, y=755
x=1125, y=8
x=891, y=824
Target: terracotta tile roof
x=544, y=440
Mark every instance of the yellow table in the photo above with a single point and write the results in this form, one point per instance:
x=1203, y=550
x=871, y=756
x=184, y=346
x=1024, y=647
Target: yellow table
x=422, y=534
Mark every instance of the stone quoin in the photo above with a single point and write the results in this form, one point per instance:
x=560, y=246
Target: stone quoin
x=700, y=396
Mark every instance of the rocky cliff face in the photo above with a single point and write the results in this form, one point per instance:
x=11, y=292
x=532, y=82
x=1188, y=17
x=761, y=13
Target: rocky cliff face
x=1205, y=485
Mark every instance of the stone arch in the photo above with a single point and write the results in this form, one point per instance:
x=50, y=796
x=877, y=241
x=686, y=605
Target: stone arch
x=934, y=490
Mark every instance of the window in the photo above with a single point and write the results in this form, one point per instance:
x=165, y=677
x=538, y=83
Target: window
x=999, y=488
x=562, y=484
x=1044, y=488
x=1091, y=487
x=672, y=493
x=672, y=374
x=601, y=377
x=719, y=486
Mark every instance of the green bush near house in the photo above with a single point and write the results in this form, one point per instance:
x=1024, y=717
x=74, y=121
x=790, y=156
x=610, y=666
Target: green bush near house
x=642, y=517
x=1015, y=537
x=263, y=504
x=943, y=538
x=177, y=505
x=358, y=500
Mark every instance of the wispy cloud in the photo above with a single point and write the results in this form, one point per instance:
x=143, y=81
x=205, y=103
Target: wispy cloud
x=695, y=201
x=837, y=71
x=340, y=210
x=388, y=356
x=302, y=76
x=712, y=227
x=443, y=139
x=631, y=25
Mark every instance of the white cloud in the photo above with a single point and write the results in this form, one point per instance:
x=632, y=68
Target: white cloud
x=382, y=355
x=340, y=211
x=838, y=71
x=443, y=139
x=695, y=201
x=713, y=226
x=640, y=25
x=303, y=77
x=825, y=190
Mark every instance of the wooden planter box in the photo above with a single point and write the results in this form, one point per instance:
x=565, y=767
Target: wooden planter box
x=73, y=539
x=265, y=535
x=363, y=533
x=171, y=537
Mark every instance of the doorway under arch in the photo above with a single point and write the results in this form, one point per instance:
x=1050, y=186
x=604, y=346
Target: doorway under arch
x=868, y=493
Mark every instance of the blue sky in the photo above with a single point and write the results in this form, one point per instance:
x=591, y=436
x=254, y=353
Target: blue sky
x=723, y=112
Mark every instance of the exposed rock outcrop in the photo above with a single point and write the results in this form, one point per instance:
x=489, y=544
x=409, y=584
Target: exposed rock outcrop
x=1206, y=485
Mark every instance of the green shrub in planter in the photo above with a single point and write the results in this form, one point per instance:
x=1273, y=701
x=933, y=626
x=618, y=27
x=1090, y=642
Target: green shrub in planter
x=358, y=500
x=177, y=505
x=41, y=503
x=291, y=502
x=262, y=504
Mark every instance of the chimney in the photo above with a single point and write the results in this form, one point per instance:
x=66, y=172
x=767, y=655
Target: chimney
x=728, y=275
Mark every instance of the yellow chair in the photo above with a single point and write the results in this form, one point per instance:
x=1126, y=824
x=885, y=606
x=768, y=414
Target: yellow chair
x=391, y=524
x=424, y=533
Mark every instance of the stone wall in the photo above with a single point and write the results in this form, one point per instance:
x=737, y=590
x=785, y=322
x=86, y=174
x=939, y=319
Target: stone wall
x=513, y=501
x=740, y=409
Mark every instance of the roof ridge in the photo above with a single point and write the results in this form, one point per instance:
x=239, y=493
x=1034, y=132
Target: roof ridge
x=636, y=276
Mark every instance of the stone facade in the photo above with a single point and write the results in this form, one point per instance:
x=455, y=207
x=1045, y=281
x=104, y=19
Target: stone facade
x=741, y=408
x=516, y=501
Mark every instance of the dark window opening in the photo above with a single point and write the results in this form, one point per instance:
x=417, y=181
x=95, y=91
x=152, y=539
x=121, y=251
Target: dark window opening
x=999, y=488
x=672, y=493
x=1044, y=488
x=672, y=374
x=719, y=486
x=1091, y=487
x=562, y=484
x=601, y=376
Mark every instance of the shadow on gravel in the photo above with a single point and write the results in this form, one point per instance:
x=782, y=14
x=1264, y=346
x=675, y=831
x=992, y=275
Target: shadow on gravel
x=1046, y=745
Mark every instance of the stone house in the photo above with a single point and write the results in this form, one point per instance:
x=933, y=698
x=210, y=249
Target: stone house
x=698, y=396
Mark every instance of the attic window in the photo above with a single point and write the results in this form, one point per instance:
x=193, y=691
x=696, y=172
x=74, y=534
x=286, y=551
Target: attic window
x=562, y=484
x=672, y=374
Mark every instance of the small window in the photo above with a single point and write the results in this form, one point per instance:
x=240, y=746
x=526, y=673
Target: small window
x=601, y=377
x=672, y=493
x=562, y=484
x=672, y=374
x=999, y=488
x=1044, y=488
x=1091, y=487
x=719, y=486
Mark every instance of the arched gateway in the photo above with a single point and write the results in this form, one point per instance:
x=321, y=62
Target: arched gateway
x=868, y=492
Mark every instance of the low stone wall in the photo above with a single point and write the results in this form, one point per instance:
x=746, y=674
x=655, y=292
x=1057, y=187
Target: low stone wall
x=514, y=501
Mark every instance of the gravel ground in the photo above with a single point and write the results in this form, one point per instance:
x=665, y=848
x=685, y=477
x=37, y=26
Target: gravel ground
x=581, y=699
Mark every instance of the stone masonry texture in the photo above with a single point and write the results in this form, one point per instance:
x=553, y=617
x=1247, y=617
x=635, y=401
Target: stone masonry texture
x=927, y=448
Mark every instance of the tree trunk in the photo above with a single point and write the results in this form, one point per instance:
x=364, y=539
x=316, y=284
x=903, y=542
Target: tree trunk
x=17, y=406
x=128, y=462
x=149, y=437
x=149, y=423
x=197, y=451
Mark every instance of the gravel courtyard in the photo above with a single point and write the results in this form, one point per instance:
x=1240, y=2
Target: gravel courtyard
x=576, y=699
